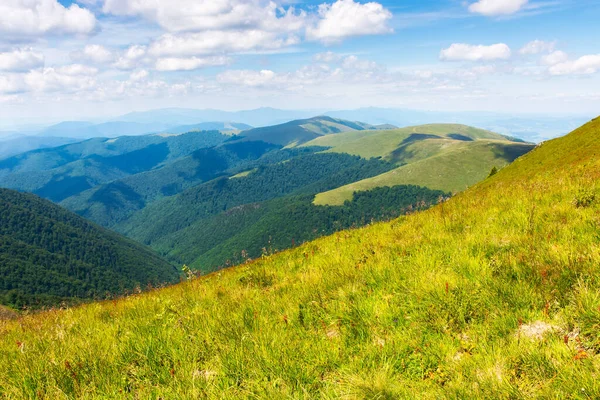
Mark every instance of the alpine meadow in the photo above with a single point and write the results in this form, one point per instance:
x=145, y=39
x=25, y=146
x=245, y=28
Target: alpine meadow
x=310, y=199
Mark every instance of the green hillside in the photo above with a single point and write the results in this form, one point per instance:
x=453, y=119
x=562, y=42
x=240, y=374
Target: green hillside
x=493, y=294
x=383, y=143
x=49, y=255
x=251, y=230
x=446, y=157
x=450, y=166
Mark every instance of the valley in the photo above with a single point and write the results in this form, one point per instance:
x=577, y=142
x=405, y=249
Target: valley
x=204, y=198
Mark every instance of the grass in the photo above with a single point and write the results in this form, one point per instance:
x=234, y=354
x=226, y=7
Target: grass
x=383, y=143
x=243, y=174
x=439, y=304
x=447, y=165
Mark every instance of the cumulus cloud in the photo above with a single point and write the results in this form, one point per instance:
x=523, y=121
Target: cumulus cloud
x=586, y=65
x=346, y=18
x=21, y=60
x=139, y=75
x=556, y=57
x=198, y=15
x=497, y=7
x=94, y=53
x=66, y=79
x=11, y=84
x=131, y=58
x=189, y=64
x=217, y=42
x=26, y=18
x=467, y=52
x=537, y=47
x=247, y=77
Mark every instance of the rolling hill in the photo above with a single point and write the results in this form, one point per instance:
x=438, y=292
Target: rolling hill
x=64, y=171
x=297, y=132
x=446, y=157
x=492, y=294
x=22, y=144
x=49, y=255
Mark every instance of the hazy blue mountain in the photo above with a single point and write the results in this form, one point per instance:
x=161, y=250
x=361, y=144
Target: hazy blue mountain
x=209, y=126
x=182, y=116
x=87, y=130
x=64, y=171
x=22, y=144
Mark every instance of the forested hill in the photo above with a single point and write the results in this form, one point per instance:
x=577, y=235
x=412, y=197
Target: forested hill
x=49, y=255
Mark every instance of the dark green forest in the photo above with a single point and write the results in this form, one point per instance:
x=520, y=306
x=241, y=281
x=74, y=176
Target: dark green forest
x=49, y=255
x=250, y=230
x=308, y=174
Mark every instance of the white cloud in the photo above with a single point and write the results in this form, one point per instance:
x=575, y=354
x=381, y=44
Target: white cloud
x=189, y=64
x=537, y=47
x=247, y=77
x=327, y=57
x=556, y=57
x=497, y=7
x=199, y=15
x=94, y=53
x=21, y=60
x=139, y=75
x=19, y=18
x=353, y=62
x=346, y=18
x=67, y=79
x=586, y=65
x=217, y=42
x=131, y=58
x=467, y=52
x=11, y=84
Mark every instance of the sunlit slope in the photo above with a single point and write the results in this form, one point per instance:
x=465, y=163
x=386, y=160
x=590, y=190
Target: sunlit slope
x=493, y=294
x=385, y=143
x=447, y=165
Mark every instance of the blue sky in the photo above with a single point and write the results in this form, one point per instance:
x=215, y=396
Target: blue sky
x=65, y=59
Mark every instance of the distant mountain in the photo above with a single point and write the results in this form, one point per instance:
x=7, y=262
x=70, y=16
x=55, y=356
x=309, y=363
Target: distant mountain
x=49, y=255
x=62, y=172
x=209, y=126
x=181, y=116
x=87, y=130
x=22, y=144
x=110, y=203
x=304, y=130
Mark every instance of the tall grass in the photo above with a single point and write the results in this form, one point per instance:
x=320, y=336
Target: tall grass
x=493, y=294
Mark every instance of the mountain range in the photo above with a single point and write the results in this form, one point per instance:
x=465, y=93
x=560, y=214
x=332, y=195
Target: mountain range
x=203, y=198
x=492, y=293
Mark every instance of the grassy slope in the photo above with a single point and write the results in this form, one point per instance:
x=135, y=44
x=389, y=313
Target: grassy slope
x=437, y=304
x=383, y=143
x=438, y=163
x=452, y=166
